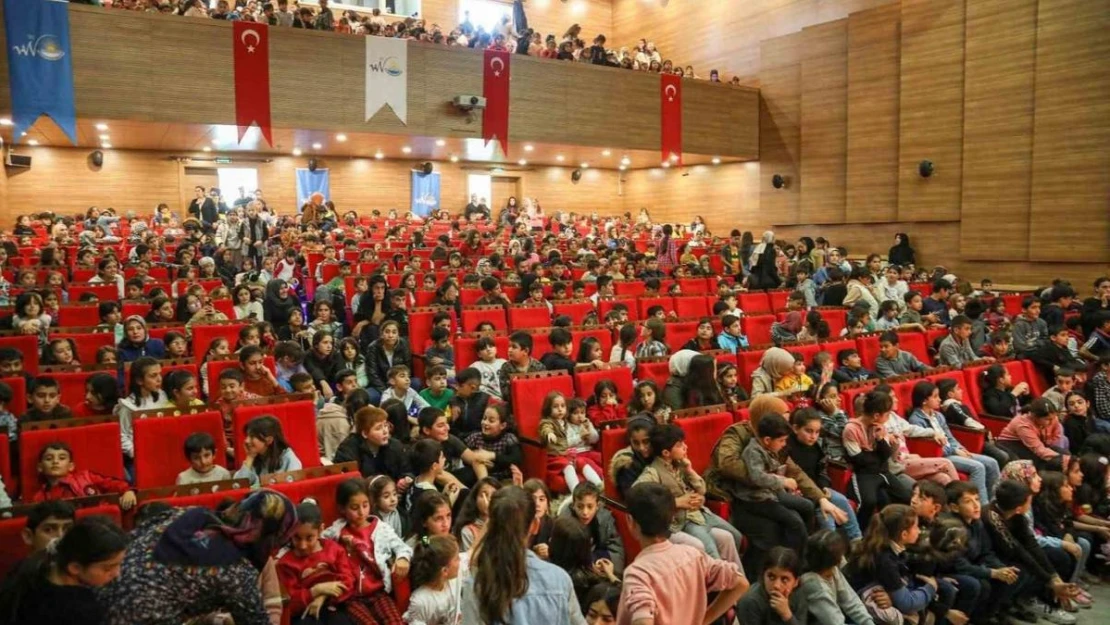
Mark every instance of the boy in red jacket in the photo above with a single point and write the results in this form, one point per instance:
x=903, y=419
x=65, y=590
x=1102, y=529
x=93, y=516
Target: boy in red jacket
x=61, y=480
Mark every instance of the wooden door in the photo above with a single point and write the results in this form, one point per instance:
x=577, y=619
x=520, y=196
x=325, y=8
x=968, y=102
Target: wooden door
x=502, y=188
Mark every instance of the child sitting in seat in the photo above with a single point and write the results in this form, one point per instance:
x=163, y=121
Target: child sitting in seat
x=490, y=366
x=257, y=377
x=796, y=378
x=45, y=402
x=586, y=508
x=569, y=442
x=266, y=450
x=60, y=479
x=200, y=451
x=441, y=352
x=602, y=407
x=732, y=337
x=315, y=573
x=498, y=436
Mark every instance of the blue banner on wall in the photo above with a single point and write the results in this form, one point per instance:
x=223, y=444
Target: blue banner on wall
x=309, y=182
x=40, y=65
x=425, y=193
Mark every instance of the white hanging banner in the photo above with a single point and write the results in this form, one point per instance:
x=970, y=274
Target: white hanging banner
x=387, y=76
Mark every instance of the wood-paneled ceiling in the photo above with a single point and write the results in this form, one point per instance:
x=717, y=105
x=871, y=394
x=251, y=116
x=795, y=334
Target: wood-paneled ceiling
x=222, y=140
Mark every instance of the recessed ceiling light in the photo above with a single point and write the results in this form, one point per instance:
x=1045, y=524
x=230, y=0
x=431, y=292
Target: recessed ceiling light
x=23, y=134
x=529, y=147
x=340, y=137
x=522, y=162
x=716, y=160
x=102, y=127
x=104, y=137
x=559, y=157
x=296, y=151
x=378, y=155
x=674, y=157
x=207, y=149
x=440, y=142
x=626, y=161
x=316, y=146
x=585, y=165
x=106, y=146
x=33, y=142
x=406, y=149
x=454, y=159
x=4, y=121
x=605, y=152
x=215, y=142
x=666, y=164
x=622, y=168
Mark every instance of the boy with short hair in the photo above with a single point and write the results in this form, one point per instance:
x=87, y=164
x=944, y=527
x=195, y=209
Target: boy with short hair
x=468, y=465
x=257, y=377
x=561, y=347
x=732, y=336
x=915, y=311
x=520, y=361
x=955, y=350
x=436, y=393
x=998, y=347
x=398, y=311
x=587, y=509
x=1098, y=344
x=851, y=367
x=61, y=479
x=400, y=388
x=489, y=366
x=605, y=289
x=288, y=360
x=1029, y=329
x=1065, y=383
x=441, y=353
x=469, y=403
x=768, y=488
x=668, y=583
x=375, y=451
x=231, y=390
x=428, y=462
x=893, y=361
x=46, y=522
x=200, y=451
x=928, y=501
x=1054, y=355
x=937, y=302
x=45, y=402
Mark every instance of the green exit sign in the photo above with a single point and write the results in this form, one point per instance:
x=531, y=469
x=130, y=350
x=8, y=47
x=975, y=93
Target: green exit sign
x=223, y=160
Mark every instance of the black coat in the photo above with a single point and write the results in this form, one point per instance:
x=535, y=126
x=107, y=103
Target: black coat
x=323, y=369
x=390, y=460
x=377, y=365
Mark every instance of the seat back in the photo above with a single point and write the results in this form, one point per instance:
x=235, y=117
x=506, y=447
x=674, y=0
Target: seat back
x=297, y=414
x=575, y=309
x=834, y=347
x=778, y=298
x=320, y=483
x=6, y=465
x=807, y=350
x=625, y=288
x=528, y=317
x=757, y=328
x=914, y=343
x=702, y=433
x=679, y=332
x=95, y=443
x=19, y=394
x=754, y=303
x=103, y=292
x=655, y=369
x=868, y=346
x=466, y=349
x=584, y=382
x=28, y=345
x=691, y=306
x=601, y=333
x=836, y=317
x=747, y=361
x=605, y=305
x=78, y=314
x=160, y=445
x=647, y=302
x=1038, y=384
x=203, y=335
x=528, y=392
x=87, y=343
x=71, y=385
x=474, y=315
x=613, y=439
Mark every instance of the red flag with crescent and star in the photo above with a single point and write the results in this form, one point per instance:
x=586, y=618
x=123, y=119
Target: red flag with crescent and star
x=670, y=95
x=495, y=89
x=252, y=77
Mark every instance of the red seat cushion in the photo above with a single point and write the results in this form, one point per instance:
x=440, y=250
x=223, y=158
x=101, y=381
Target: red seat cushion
x=521, y=317
x=584, y=382
x=298, y=425
x=575, y=309
x=754, y=303
x=691, y=306
x=702, y=433
x=160, y=445
x=471, y=317
x=96, y=447
x=757, y=328
x=528, y=394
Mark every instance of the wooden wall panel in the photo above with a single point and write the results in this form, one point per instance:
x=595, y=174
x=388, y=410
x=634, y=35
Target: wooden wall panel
x=824, y=122
x=62, y=180
x=317, y=83
x=998, y=129
x=872, y=169
x=780, y=113
x=1070, y=216
x=721, y=34
x=725, y=196
x=931, y=97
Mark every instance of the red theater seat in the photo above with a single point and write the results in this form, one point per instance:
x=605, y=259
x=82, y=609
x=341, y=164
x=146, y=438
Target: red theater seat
x=87, y=343
x=103, y=292
x=320, y=483
x=680, y=332
x=626, y=288
x=691, y=306
x=78, y=314
x=584, y=382
x=521, y=317
x=95, y=442
x=807, y=350
x=836, y=317
x=868, y=346
x=778, y=298
x=655, y=369
x=19, y=394
x=834, y=347
x=6, y=465
x=691, y=286
x=160, y=445
x=298, y=424
x=466, y=349
x=1036, y=379
x=575, y=309
x=747, y=361
x=754, y=303
x=528, y=392
x=647, y=302
x=205, y=334
x=605, y=305
x=71, y=384
x=601, y=333
x=216, y=367
x=471, y=317
x=613, y=439
x=28, y=345
x=704, y=427
x=914, y=342
x=757, y=328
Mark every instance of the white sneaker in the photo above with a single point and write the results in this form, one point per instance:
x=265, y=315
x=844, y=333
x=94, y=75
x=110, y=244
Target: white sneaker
x=1056, y=615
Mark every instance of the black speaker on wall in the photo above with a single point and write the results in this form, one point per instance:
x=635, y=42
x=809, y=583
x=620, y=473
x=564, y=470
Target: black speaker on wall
x=97, y=158
x=575, y=176
x=778, y=181
x=426, y=168
x=925, y=169
x=312, y=164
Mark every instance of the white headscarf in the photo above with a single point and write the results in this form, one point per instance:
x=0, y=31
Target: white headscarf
x=768, y=239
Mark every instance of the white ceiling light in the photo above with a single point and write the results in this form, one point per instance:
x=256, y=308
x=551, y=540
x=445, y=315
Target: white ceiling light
x=296, y=151
x=106, y=146
x=585, y=165
x=104, y=137
x=529, y=147
x=316, y=146
x=605, y=152
x=522, y=162
x=440, y=143
x=406, y=149
x=559, y=157
x=33, y=142
x=341, y=137
x=716, y=160
x=4, y=121
x=207, y=149
x=378, y=155
x=102, y=127
x=454, y=159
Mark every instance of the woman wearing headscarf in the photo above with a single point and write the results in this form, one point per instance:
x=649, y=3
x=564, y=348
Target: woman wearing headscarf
x=693, y=381
x=279, y=302
x=764, y=274
x=192, y=562
x=137, y=343
x=901, y=253
x=727, y=474
x=776, y=363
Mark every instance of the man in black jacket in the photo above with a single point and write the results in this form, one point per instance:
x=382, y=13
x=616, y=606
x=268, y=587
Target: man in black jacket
x=201, y=203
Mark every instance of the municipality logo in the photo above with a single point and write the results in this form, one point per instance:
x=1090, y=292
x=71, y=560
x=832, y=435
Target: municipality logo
x=388, y=65
x=47, y=47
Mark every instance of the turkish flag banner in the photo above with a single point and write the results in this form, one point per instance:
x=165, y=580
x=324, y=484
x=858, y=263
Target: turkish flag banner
x=252, y=77
x=495, y=89
x=670, y=97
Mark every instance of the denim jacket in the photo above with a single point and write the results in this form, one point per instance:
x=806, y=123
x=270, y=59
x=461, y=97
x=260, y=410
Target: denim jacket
x=550, y=598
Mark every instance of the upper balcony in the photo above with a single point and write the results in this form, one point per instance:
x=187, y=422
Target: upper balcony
x=167, y=69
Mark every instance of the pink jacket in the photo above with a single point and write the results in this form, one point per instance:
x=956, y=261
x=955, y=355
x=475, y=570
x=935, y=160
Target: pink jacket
x=1024, y=428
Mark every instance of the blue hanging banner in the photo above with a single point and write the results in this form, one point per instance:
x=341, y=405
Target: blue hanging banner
x=309, y=182
x=425, y=193
x=40, y=64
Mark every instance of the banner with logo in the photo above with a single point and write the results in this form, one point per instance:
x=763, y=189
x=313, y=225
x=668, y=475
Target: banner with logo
x=309, y=182
x=387, y=76
x=251, y=43
x=670, y=97
x=495, y=89
x=425, y=193
x=40, y=65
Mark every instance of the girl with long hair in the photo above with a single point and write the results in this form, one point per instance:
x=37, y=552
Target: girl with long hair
x=266, y=450
x=874, y=563
x=144, y=392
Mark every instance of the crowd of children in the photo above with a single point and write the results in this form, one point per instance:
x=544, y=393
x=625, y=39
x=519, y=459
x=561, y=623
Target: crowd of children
x=1017, y=529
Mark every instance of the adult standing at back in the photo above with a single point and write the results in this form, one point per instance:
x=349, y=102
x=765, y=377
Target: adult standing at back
x=509, y=584
x=901, y=253
x=764, y=274
x=667, y=251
